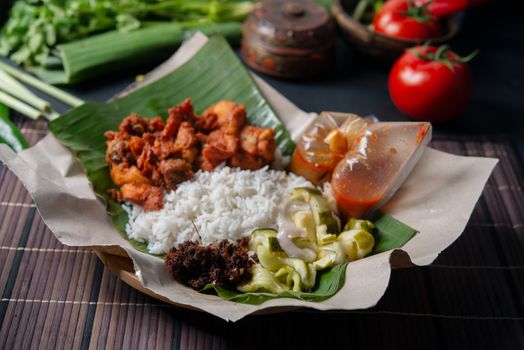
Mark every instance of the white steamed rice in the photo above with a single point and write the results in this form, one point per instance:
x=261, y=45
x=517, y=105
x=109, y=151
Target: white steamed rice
x=227, y=203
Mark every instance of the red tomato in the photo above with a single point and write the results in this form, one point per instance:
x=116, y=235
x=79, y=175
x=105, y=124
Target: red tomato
x=405, y=20
x=443, y=8
x=430, y=83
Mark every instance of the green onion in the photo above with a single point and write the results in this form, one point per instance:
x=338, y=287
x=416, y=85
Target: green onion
x=19, y=106
x=40, y=85
x=11, y=86
x=51, y=116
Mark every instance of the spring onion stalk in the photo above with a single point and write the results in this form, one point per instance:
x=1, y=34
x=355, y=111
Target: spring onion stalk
x=51, y=115
x=11, y=86
x=40, y=85
x=19, y=106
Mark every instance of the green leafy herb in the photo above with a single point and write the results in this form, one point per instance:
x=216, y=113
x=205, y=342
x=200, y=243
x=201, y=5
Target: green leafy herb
x=36, y=27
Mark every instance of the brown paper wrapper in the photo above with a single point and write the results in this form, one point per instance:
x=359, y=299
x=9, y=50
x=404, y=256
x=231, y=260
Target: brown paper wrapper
x=437, y=200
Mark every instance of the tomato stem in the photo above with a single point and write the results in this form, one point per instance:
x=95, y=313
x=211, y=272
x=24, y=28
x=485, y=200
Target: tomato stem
x=419, y=13
x=441, y=55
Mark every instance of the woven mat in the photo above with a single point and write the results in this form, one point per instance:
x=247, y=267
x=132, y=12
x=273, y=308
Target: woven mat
x=55, y=296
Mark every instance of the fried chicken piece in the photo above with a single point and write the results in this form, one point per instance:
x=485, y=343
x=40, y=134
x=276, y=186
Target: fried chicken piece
x=219, y=147
x=230, y=117
x=259, y=142
x=185, y=137
x=156, y=124
x=221, y=110
x=164, y=148
x=134, y=125
x=177, y=115
x=147, y=159
x=190, y=155
x=136, y=146
x=224, y=141
x=148, y=196
x=135, y=187
x=235, y=121
x=175, y=171
x=212, y=157
x=168, y=147
x=123, y=174
x=118, y=150
x=207, y=123
x=246, y=161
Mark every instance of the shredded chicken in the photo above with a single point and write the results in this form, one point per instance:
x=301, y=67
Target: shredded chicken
x=146, y=156
x=220, y=263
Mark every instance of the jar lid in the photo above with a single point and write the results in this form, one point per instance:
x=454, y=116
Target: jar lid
x=292, y=24
x=288, y=39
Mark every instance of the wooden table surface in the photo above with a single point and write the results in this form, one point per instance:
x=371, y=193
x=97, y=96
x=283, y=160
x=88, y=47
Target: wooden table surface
x=55, y=296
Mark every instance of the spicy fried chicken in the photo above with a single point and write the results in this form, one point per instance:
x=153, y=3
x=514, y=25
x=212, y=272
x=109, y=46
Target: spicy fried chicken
x=146, y=156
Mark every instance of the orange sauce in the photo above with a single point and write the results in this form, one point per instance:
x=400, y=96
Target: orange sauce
x=359, y=184
x=355, y=207
x=314, y=172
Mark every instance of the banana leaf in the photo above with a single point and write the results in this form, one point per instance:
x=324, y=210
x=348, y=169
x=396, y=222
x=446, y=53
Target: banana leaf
x=212, y=74
x=115, y=51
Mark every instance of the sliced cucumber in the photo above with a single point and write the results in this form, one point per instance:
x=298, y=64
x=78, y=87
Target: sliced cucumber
x=305, y=193
x=322, y=214
x=260, y=236
x=274, y=246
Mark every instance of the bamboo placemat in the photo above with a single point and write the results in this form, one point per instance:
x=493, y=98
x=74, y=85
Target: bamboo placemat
x=56, y=297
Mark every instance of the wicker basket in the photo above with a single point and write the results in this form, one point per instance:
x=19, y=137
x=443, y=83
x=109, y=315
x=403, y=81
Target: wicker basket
x=376, y=45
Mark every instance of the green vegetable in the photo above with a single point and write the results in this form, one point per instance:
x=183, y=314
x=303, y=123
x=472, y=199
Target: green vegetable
x=19, y=106
x=36, y=28
x=359, y=224
x=11, y=86
x=357, y=243
x=9, y=133
x=270, y=260
x=328, y=282
x=323, y=237
x=40, y=85
x=295, y=274
x=261, y=236
x=263, y=280
x=365, y=10
x=274, y=246
x=304, y=219
x=319, y=207
x=290, y=277
x=330, y=255
x=99, y=55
